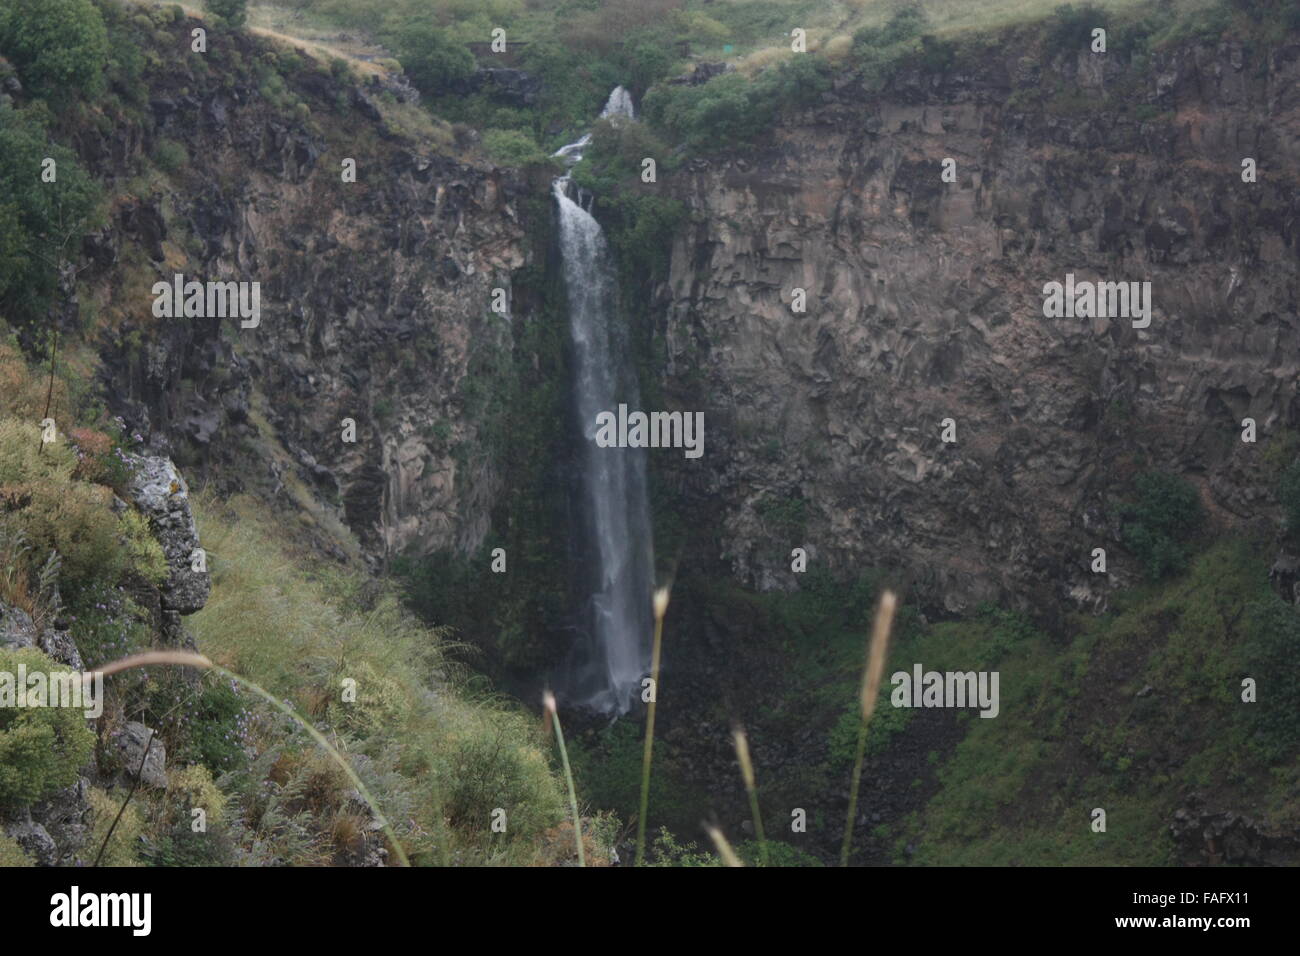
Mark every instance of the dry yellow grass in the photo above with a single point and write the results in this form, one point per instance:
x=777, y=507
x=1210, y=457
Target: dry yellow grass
x=271, y=22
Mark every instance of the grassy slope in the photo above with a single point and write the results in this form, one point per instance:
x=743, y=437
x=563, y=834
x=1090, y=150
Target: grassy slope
x=452, y=753
x=1132, y=712
x=1139, y=711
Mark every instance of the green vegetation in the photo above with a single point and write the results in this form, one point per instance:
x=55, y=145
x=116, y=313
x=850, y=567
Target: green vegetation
x=1288, y=495
x=42, y=748
x=39, y=220
x=1160, y=523
x=59, y=46
x=1142, y=707
x=513, y=147
x=429, y=58
x=231, y=12
x=53, y=512
x=170, y=156
x=607, y=767
x=1070, y=28
x=121, y=847
x=731, y=110
x=437, y=756
x=11, y=854
x=1270, y=652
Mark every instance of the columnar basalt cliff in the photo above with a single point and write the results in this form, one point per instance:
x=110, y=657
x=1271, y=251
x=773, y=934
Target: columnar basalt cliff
x=925, y=302
x=375, y=300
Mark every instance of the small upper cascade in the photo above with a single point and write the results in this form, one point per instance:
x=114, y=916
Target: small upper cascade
x=619, y=104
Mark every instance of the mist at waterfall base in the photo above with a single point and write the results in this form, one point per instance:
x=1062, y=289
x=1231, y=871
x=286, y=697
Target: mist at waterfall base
x=612, y=655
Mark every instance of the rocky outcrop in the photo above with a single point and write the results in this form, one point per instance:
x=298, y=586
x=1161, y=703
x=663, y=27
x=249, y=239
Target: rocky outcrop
x=1205, y=837
x=55, y=829
x=17, y=630
x=160, y=492
x=925, y=303
x=142, y=753
x=511, y=87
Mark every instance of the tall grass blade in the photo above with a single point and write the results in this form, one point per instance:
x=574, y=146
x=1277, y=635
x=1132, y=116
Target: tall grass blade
x=549, y=701
x=747, y=772
x=725, y=851
x=661, y=608
x=877, y=652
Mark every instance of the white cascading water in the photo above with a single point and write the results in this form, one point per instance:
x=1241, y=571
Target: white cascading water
x=617, y=656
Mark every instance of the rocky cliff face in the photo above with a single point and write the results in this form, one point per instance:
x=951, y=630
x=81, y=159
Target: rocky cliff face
x=375, y=298
x=925, y=302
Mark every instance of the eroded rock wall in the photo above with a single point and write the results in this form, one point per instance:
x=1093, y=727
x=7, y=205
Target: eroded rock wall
x=375, y=299
x=924, y=302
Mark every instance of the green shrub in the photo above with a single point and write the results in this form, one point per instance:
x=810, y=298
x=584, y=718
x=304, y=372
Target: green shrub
x=124, y=846
x=59, y=46
x=170, y=156
x=108, y=626
x=907, y=23
x=1159, y=524
x=75, y=521
x=648, y=57
x=666, y=851
x=511, y=147
x=643, y=232
x=1069, y=28
x=214, y=728
x=57, y=513
x=429, y=58
x=575, y=86
x=487, y=768
x=886, y=722
x=232, y=12
x=42, y=749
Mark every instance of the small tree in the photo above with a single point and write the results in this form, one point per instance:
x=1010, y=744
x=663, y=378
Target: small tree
x=39, y=222
x=60, y=47
x=429, y=58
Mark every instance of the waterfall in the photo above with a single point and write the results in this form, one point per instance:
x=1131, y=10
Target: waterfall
x=616, y=653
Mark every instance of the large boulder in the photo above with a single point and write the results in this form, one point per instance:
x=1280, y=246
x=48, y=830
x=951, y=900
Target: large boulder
x=159, y=491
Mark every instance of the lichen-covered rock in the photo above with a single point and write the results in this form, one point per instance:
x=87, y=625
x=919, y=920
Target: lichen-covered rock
x=131, y=742
x=35, y=841
x=60, y=646
x=159, y=491
x=16, y=627
x=64, y=818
